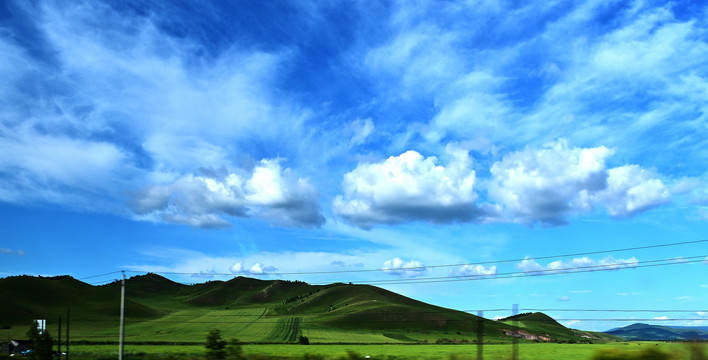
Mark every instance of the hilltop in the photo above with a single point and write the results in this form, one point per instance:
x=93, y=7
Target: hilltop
x=253, y=310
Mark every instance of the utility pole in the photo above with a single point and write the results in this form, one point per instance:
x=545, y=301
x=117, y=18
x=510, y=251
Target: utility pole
x=122, y=316
x=514, y=339
x=59, y=340
x=480, y=334
x=67, y=334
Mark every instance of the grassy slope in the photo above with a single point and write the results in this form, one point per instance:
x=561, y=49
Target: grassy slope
x=541, y=323
x=251, y=310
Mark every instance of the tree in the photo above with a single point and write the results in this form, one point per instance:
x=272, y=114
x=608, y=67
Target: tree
x=40, y=343
x=219, y=349
x=304, y=340
x=234, y=351
x=216, y=347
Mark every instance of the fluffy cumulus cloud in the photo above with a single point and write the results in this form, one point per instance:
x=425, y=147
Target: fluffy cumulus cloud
x=577, y=264
x=474, y=270
x=630, y=190
x=208, y=199
x=401, y=268
x=409, y=187
x=549, y=184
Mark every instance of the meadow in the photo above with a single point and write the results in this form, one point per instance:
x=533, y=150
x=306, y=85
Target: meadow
x=528, y=351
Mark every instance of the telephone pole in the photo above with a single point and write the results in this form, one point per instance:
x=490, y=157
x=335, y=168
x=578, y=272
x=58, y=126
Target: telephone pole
x=122, y=316
x=67, y=333
x=59, y=340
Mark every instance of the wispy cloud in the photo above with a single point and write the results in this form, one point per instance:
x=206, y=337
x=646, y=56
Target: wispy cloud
x=17, y=252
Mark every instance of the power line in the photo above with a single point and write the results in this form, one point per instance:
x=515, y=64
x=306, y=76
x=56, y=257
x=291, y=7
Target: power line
x=95, y=276
x=431, y=266
x=545, y=272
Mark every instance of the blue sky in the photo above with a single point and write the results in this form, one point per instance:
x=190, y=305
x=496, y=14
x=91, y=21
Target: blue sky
x=250, y=137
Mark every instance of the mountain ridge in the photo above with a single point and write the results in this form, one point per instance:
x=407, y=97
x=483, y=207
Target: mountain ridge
x=642, y=331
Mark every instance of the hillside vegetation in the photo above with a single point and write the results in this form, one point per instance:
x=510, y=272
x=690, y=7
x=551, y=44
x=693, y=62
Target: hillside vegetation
x=252, y=310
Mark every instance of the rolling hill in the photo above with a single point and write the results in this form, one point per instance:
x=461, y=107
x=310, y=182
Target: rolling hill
x=641, y=331
x=253, y=310
x=550, y=330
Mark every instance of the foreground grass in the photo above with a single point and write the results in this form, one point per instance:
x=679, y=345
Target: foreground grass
x=387, y=352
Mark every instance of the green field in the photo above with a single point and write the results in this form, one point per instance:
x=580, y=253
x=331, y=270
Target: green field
x=534, y=351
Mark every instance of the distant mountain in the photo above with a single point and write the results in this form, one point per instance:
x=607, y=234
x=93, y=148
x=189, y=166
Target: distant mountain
x=253, y=310
x=641, y=331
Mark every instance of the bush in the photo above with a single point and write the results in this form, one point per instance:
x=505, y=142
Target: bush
x=304, y=340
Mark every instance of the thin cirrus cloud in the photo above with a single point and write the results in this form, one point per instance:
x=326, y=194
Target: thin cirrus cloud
x=128, y=111
x=17, y=252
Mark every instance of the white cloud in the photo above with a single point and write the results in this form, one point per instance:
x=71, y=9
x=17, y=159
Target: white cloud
x=255, y=269
x=564, y=298
x=661, y=318
x=549, y=184
x=401, y=268
x=270, y=192
x=529, y=265
x=360, y=130
x=628, y=294
x=55, y=168
x=704, y=285
x=127, y=106
x=409, y=187
x=557, y=181
x=631, y=190
x=577, y=264
x=572, y=323
x=474, y=270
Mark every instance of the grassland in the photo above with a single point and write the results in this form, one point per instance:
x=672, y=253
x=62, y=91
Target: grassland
x=529, y=351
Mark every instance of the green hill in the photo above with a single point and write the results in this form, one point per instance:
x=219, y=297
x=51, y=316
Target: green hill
x=550, y=330
x=252, y=310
